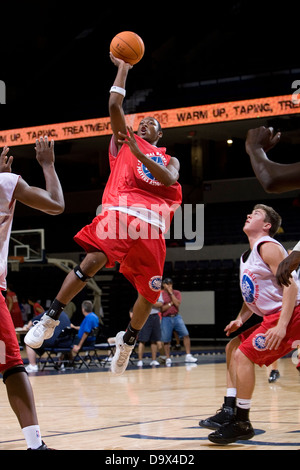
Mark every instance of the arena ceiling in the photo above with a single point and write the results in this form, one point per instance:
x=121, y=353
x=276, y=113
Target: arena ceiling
x=55, y=54
x=57, y=67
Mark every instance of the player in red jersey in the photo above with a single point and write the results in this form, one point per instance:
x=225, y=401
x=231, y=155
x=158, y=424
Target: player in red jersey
x=138, y=203
x=51, y=201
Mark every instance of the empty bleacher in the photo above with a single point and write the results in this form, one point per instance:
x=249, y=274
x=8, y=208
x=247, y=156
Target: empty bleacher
x=223, y=227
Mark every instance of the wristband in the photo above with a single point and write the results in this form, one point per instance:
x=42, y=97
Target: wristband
x=119, y=90
x=297, y=247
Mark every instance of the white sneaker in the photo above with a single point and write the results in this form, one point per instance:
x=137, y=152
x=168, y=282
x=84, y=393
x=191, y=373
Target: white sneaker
x=154, y=363
x=168, y=362
x=121, y=358
x=31, y=368
x=190, y=358
x=140, y=364
x=40, y=331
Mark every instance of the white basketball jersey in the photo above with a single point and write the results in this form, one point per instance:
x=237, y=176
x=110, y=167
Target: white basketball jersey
x=259, y=286
x=8, y=182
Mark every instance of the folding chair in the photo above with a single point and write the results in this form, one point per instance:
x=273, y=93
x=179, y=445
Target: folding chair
x=87, y=355
x=52, y=357
x=53, y=352
x=104, y=347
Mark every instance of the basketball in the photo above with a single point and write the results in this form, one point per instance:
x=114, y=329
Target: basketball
x=127, y=46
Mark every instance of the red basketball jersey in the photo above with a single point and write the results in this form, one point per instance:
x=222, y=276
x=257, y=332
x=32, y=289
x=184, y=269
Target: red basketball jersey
x=131, y=185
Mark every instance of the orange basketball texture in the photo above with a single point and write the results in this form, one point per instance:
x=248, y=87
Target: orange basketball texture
x=127, y=46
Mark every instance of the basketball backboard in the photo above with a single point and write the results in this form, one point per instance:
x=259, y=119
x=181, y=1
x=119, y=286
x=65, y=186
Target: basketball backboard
x=28, y=244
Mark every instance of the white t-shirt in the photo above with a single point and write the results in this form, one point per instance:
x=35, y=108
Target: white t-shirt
x=8, y=182
x=259, y=286
x=154, y=309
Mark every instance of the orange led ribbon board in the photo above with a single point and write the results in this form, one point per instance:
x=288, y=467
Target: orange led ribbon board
x=179, y=117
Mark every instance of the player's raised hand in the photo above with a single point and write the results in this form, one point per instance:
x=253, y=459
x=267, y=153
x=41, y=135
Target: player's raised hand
x=262, y=137
x=45, y=151
x=117, y=62
x=5, y=161
x=129, y=139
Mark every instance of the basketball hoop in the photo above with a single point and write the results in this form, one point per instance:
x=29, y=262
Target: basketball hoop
x=14, y=262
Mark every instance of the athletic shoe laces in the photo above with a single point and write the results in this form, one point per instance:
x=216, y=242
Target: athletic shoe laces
x=124, y=352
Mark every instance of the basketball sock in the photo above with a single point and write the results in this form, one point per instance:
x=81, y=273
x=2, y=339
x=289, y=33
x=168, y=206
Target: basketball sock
x=32, y=435
x=230, y=401
x=130, y=335
x=55, y=309
x=242, y=409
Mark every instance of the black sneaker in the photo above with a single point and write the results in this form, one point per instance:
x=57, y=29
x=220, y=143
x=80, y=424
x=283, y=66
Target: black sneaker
x=42, y=447
x=232, y=432
x=274, y=375
x=224, y=416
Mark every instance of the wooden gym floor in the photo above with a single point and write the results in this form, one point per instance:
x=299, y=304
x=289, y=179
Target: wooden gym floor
x=153, y=408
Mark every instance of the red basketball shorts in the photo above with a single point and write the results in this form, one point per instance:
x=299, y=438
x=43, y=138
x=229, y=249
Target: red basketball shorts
x=253, y=339
x=10, y=355
x=139, y=248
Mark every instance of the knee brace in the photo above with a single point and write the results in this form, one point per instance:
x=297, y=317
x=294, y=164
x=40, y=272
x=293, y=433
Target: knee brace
x=13, y=370
x=83, y=277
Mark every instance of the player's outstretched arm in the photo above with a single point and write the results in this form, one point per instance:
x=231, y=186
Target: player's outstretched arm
x=51, y=199
x=274, y=177
x=117, y=95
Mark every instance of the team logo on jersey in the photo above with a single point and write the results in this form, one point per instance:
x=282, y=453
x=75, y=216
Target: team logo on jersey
x=259, y=342
x=145, y=174
x=155, y=283
x=248, y=289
